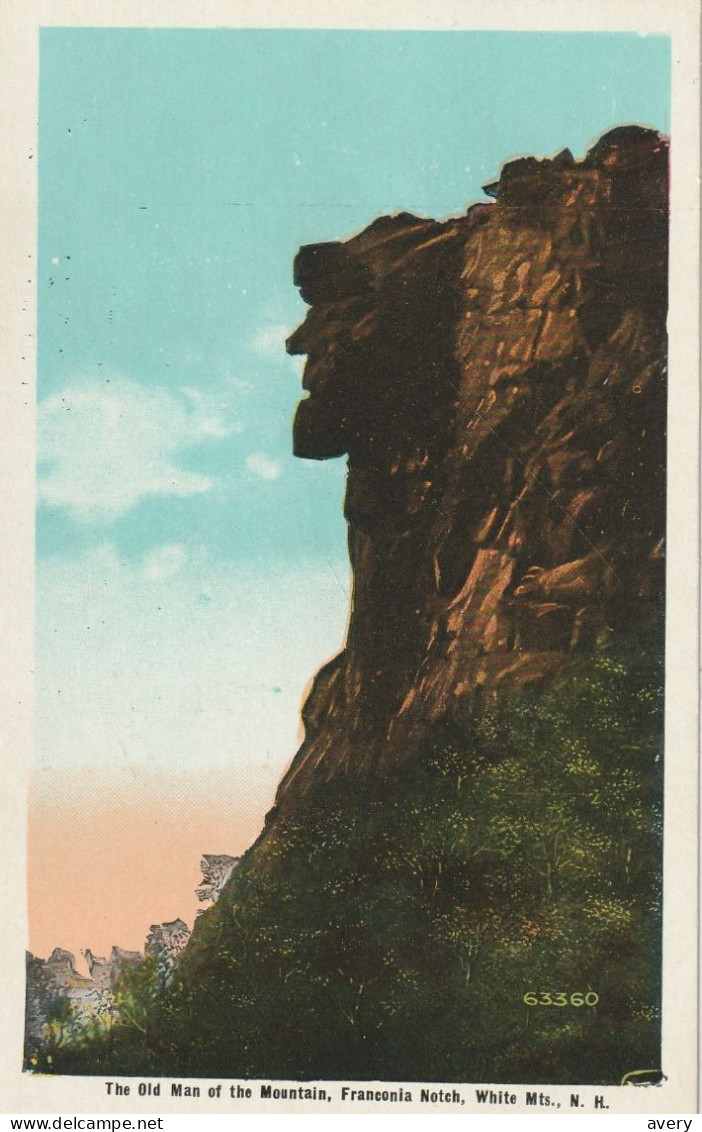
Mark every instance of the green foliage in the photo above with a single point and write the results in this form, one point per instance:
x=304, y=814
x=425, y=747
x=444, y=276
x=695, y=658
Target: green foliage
x=135, y=994
x=392, y=928
x=60, y=1023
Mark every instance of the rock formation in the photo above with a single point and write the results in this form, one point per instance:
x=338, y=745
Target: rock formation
x=216, y=871
x=498, y=382
x=165, y=943
x=105, y=971
x=54, y=980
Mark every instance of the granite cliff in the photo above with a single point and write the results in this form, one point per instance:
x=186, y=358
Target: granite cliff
x=498, y=382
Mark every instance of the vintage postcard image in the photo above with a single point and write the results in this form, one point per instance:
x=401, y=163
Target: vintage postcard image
x=363, y=393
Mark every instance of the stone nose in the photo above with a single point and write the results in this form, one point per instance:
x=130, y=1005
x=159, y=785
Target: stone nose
x=299, y=341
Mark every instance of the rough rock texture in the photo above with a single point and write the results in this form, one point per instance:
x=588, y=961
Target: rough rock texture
x=498, y=382
x=105, y=971
x=48, y=980
x=165, y=943
x=216, y=871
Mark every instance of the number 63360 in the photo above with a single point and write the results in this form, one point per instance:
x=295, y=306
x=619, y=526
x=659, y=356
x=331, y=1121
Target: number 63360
x=561, y=998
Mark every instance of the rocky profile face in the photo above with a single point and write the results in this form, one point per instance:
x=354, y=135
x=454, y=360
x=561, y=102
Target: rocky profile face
x=498, y=382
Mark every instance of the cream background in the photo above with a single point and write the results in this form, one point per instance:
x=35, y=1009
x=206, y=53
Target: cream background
x=18, y=51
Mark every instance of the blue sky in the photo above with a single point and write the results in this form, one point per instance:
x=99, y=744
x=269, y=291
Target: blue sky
x=179, y=173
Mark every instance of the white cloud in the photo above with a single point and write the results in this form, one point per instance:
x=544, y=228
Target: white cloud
x=269, y=342
x=262, y=467
x=107, y=447
x=164, y=561
x=210, y=414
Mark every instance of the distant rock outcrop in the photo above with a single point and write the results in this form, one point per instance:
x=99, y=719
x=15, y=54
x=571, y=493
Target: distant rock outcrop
x=216, y=871
x=58, y=996
x=165, y=943
x=106, y=970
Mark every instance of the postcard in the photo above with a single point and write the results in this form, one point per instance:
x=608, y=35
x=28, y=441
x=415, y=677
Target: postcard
x=351, y=414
